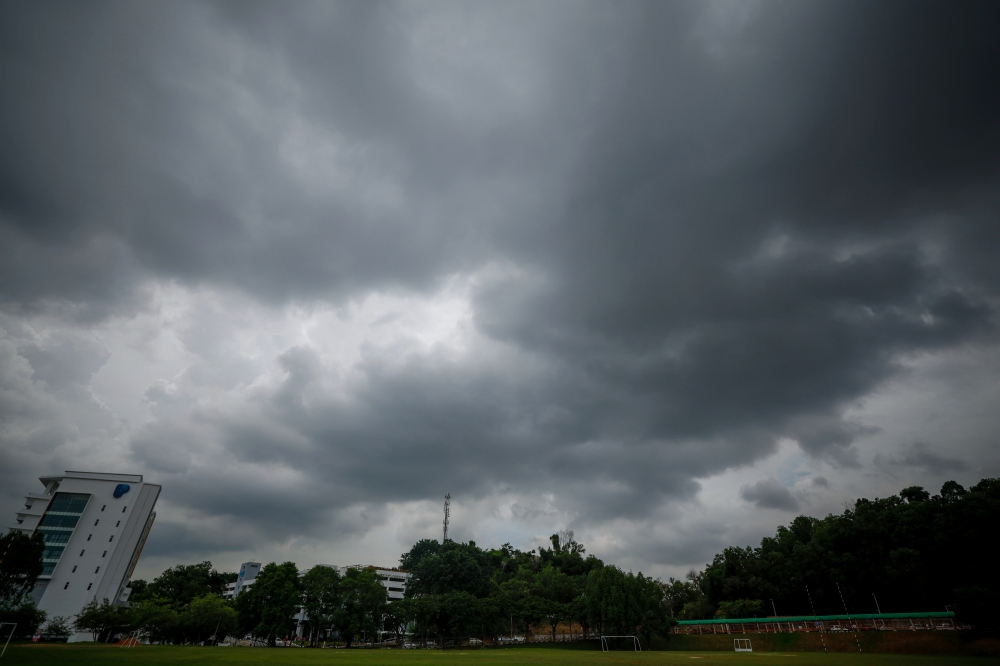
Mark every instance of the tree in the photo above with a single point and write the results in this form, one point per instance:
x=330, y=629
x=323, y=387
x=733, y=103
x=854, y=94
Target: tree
x=184, y=583
x=460, y=613
x=364, y=600
x=425, y=547
x=398, y=615
x=576, y=611
x=321, y=598
x=20, y=566
x=248, y=611
x=425, y=612
x=207, y=617
x=155, y=618
x=140, y=591
x=554, y=613
x=654, y=617
x=25, y=616
x=453, y=567
x=739, y=608
x=100, y=618
x=58, y=627
x=277, y=594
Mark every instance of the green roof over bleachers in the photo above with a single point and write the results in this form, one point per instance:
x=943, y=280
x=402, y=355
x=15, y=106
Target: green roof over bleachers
x=824, y=618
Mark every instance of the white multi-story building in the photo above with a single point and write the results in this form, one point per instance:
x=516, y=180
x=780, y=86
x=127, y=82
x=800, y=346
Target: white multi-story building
x=248, y=573
x=94, y=526
x=394, y=580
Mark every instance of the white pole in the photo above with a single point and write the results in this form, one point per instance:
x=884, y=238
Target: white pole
x=12, y=630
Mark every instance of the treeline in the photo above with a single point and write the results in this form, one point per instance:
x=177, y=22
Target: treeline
x=909, y=552
x=459, y=590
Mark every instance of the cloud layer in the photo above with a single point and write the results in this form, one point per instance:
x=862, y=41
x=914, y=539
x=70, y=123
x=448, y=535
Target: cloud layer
x=640, y=272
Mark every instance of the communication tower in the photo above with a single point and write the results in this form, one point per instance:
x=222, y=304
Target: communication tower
x=447, y=515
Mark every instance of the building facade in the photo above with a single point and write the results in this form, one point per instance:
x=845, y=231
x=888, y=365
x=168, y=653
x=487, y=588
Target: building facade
x=94, y=526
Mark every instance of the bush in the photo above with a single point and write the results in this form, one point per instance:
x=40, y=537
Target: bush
x=27, y=617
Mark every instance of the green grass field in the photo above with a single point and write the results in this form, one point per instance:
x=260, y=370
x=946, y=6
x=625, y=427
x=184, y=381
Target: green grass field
x=157, y=655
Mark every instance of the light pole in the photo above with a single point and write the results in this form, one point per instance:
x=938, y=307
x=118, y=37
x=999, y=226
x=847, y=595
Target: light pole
x=876, y=603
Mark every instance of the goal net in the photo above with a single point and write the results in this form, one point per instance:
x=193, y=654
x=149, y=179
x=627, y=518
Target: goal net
x=619, y=640
x=742, y=645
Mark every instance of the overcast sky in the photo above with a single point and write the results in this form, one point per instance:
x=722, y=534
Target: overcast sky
x=667, y=275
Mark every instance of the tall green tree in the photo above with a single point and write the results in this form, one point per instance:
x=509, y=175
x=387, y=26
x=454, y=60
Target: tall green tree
x=276, y=596
x=363, y=605
x=321, y=599
x=654, y=615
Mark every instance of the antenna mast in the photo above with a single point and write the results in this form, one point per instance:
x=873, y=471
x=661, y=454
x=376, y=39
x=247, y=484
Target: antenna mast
x=447, y=515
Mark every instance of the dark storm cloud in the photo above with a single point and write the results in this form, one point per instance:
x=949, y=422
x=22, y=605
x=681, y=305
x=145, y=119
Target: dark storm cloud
x=920, y=456
x=769, y=494
x=725, y=224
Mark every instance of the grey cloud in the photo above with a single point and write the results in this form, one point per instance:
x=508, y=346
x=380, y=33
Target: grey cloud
x=719, y=230
x=769, y=494
x=920, y=455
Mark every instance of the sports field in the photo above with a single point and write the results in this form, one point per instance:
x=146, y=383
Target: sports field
x=156, y=655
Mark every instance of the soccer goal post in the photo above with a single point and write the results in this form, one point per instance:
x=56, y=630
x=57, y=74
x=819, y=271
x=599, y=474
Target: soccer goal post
x=742, y=645
x=635, y=643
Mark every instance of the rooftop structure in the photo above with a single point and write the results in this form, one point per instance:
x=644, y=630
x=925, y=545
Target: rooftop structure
x=935, y=621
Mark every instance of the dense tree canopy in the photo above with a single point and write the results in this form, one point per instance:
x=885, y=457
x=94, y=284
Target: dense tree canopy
x=909, y=552
x=183, y=583
x=459, y=589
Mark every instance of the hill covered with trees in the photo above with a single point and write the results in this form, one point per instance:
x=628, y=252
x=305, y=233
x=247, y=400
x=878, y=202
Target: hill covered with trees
x=908, y=552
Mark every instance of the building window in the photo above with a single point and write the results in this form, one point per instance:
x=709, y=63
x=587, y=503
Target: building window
x=66, y=585
x=74, y=569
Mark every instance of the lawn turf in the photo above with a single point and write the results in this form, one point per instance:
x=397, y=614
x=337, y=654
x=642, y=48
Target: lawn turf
x=84, y=654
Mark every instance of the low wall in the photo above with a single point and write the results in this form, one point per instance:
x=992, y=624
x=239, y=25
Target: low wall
x=899, y=642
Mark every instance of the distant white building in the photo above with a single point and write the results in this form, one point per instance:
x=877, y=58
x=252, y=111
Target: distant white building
x=394, y=580
x=248, y=573
x=94, y=526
